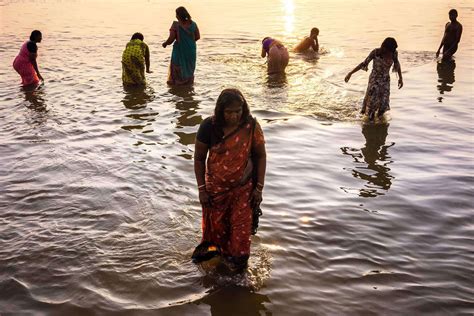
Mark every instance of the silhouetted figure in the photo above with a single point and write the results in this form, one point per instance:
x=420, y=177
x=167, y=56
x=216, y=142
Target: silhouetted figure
x=377, y=96
x=25, y=62
x=445, y=70
x=309, y=42
x=451, y=37
x=277, y=55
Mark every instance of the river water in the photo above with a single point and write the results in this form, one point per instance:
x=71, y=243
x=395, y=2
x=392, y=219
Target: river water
x=98, y=204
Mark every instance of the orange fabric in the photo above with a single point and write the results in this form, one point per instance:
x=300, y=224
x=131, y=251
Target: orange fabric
x=228, y=222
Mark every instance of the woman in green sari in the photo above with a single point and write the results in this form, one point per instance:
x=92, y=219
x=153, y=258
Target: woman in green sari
x=135, y=58
x=184, y=33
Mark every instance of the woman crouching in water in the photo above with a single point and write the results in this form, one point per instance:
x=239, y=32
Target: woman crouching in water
x=233, y=142
x=277, y=55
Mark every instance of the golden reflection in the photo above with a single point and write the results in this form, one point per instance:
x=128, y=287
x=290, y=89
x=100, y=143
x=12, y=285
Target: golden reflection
x=289, y=17
x=305, y=219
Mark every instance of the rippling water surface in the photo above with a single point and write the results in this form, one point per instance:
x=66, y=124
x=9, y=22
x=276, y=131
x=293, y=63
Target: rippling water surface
x=98, y=206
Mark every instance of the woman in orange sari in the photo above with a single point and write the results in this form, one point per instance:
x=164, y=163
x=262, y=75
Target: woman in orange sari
x=233, y=142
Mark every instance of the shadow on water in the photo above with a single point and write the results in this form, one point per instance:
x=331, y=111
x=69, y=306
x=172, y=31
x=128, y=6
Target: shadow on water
x=235, y=300
x=188, y=117
x=137, y=97
x=445, y=69
x=374, y=155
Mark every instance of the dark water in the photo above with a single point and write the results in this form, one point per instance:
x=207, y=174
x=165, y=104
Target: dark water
x=98, y=203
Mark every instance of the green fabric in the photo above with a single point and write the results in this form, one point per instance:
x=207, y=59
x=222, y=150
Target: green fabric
x=184, y=51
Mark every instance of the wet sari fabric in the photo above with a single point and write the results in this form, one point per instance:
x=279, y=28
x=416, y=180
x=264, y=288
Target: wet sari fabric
x=183, y=56
x=133, y=63
x=24, y=67
x=228, y=221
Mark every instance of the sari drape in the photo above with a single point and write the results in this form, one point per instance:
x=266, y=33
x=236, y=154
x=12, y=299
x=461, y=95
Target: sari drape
x=183, y=56
x=24, y=67
x=227, y=223
x=133, y=63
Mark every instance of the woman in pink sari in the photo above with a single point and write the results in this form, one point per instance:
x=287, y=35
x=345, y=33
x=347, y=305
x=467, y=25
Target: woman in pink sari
x=277, y=55
x=25, y=63
x=233, y=143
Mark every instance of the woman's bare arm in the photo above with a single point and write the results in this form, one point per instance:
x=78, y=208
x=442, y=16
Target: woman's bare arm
x=200, y=154
x=170, y=39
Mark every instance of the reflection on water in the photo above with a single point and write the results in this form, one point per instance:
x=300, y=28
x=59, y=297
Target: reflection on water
x=372, y=160
x=277, y=80
x=445, y=69
x=235, y=300
x=137, y=97
x=187, y=106
x=34, y=97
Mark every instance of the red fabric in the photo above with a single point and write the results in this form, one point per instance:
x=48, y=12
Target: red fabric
x=228, y=221
x=24, y=67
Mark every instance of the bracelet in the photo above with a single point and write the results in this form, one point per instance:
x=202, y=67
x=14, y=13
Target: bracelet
x=259, y=191
x=201, y=186
x=259, y=185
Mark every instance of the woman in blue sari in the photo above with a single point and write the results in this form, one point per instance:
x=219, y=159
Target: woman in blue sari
x=184, y=33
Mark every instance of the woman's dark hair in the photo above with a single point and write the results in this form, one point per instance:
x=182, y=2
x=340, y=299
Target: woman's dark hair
x=137, y=36
x=226, y=98
x=265, y=39
x=390, y=44
x=183, y=14
x=34, y=35
x=453, y=12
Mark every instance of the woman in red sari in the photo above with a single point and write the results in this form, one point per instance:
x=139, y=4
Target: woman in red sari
x=234, y=145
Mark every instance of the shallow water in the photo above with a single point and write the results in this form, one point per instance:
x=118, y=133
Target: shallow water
x=98, y=206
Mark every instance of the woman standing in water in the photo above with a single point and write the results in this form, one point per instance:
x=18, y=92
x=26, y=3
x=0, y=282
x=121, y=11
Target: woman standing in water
x=25, y=63
x=227, y=191
x=377, y=97
x=184, y=33
x=277, y=55
x=135, y=58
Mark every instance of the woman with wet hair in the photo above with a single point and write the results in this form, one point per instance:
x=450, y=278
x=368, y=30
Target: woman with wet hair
x=233, y=143
x=184, y=33
x=377, y=96
x=25, y=62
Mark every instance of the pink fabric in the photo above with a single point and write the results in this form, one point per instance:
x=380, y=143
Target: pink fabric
x=24, y=67
x=278, y=58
